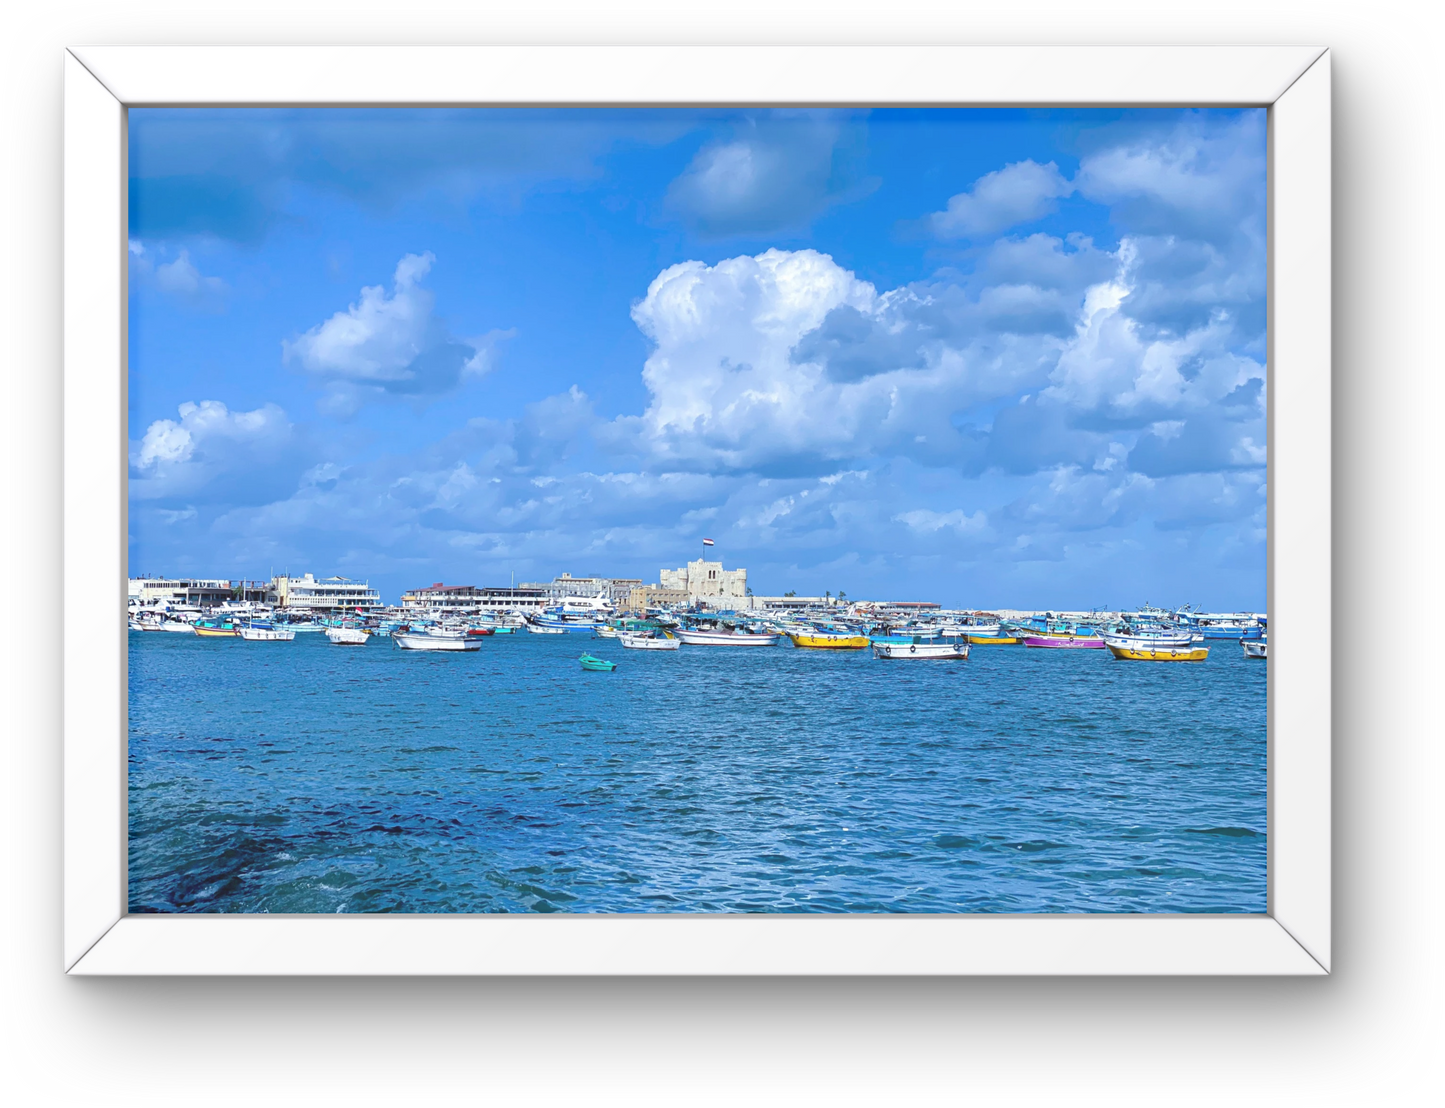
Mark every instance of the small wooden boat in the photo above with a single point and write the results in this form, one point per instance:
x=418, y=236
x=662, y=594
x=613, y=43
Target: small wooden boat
x=1150, y=640
x=597, y=665
x=1065, y=641
x=1189, y=653
x=648, y=642
x=421, y=641
x=696, y=636
x=347, y=636
x=541, y=629
x=828, y=640
x=998, y=639
x=216, y=628
x=1256, y=648
x=265, y=632
x=921, y=650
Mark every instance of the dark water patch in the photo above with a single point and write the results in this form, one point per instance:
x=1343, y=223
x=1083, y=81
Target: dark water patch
x=1228, y=832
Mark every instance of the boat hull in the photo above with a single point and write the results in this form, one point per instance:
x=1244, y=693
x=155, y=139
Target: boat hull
x=1150, y=642
x=637, y=642
x=538, y=629
x=1161, y=653
x=347, y=636
x=216, y=632
x=1064, y=642
x=1255, y=649
x=993, y=640
x=920, y=651
x=266, y=634
x=724, y=638
x=830, y=642
x=436, y=642
x=597, y=665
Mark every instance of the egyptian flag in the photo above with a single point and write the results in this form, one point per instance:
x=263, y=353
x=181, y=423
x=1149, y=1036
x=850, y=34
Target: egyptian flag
x=708, y=542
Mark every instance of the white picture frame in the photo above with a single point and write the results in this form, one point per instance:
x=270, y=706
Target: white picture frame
x=1293, y=937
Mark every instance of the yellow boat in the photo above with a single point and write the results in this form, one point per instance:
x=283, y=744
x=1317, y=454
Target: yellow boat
x=1000, y=639
x=212, y=628
x=1161, y=653
x=823, y=640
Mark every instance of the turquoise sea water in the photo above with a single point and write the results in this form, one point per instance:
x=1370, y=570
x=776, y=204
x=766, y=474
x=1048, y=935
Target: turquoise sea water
x=306, y=777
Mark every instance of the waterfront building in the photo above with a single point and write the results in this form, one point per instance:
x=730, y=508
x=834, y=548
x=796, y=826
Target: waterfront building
x=199, y=592
x=470, y=598
x=703, y=579
x=642, y=597
x=617, y=590
x=328, y=594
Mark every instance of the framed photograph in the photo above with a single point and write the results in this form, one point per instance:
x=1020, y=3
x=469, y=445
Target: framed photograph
x=697, y=510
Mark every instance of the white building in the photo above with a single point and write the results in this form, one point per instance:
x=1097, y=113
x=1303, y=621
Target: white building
x=178, y=590
x=326, y=595
x=469, y=598
x=565, y=586
x=702, y=579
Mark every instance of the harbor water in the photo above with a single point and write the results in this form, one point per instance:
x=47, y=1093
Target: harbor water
x=306, y=777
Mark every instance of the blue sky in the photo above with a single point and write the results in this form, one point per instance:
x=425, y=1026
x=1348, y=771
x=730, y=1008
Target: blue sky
x=984, y=357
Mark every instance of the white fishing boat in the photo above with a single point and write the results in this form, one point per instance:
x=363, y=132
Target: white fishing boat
x=1151, y=640
x=266, y=634
x=698, y=637
x=347, y=636
x=178, y=627
x=605, y=632
x=543, y=629
x=648, y=642
x=421, y=641
x=1256, y=648
x=921, y=650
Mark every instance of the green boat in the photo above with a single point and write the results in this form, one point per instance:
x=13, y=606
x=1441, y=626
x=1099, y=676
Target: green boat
x=599, y=665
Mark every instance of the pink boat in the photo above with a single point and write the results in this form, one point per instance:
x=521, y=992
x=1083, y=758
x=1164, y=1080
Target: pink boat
x=1066, y=642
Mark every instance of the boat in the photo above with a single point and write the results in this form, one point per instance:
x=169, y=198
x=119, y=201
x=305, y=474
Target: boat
x=1148, y=640
x=215, y=628
x=565, y=619
x=265, y=632
x=177, y=627
x=697, y=636
x=1255, y=648
x=1066, y=642
x=648, y=642
x=1187, y=653
x=409, y=640
x=543, y=629
x=597, y=665
x=347, y=636
x=815, y=639
x=921, y=649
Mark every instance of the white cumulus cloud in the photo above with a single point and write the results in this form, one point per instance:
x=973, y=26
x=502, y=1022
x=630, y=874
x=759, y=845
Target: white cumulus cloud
x=1018, y=193
x=390, y=343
